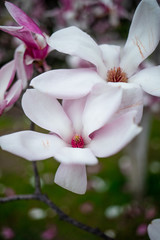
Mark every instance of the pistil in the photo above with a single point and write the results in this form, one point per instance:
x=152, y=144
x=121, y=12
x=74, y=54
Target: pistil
x=77, y=141
x=116, y=75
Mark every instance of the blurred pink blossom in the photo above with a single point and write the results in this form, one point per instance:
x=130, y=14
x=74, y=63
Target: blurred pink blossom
x=50, y=233
x=91, y=15
x=7, y=233
x=150, y=213
x=86, y=207
x=9, y=192
x=142, y=229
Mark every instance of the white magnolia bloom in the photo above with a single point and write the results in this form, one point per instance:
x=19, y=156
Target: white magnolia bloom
x=111, y=63
x=80, y=130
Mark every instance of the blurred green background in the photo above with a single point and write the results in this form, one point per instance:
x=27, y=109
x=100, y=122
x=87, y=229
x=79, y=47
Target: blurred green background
x=108, y=203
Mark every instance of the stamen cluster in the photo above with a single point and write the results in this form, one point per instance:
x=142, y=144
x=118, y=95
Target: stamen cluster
x=116, y=75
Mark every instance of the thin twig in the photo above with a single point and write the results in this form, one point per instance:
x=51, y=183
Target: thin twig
x=35, y=169
x=37, y=178
x=18, y=197
x=32, y=126
x=63, y=216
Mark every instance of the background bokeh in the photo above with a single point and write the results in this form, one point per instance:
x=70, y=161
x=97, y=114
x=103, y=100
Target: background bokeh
x=117, y=201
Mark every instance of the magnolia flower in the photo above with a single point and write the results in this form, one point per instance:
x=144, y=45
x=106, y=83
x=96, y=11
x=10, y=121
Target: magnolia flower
x=35, y=46
x=154, y=229
x=115, y=65
x=80, y=131
x=8, y=94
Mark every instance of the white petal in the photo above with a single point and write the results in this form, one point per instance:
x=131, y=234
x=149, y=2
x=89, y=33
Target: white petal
x=101, y=104
x=111, y=55
x=6, y=77
x=75, y=42
x=143, y=36
x=41, y=41
x=19, y=58
x=70, y=155
x=31, y=145
x=149, y=80
x=46, y=112
x=12, y=29
x=66, y=83
x=114, y=136
x=74, y=109
x=132, y=99
x=72, y=177
x=14, y=93
x=154, y=229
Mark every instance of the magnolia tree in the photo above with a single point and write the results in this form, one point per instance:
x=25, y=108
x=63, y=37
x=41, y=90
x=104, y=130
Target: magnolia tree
x=87, y=112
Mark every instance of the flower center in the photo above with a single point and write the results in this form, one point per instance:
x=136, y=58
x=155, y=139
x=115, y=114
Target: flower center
x=116, y=75
x=77, y=141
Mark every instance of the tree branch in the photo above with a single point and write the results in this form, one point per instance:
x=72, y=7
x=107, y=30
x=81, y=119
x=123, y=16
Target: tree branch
x=35, y=169
x=72, y=221
x=37, y=178
x=19, y=197
x=63, y=216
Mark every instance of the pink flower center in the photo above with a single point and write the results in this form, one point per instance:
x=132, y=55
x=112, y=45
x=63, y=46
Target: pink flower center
x=116, y=75
x=77, y=141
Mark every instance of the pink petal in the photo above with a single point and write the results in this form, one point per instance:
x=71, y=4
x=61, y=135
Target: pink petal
x=102, y=103
x=66, y=83
x=74, y=41
x=143, y=36
x=149, y=80
x=154, y=229
x=35, y=53
x=3, y=105
x=21, y=18
x=14, y=93
x=46, y=112
x=70, y=155
x=7, y=73
x=31, y=145
x=21, y=33
x=114, y=136
x=72, y=177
